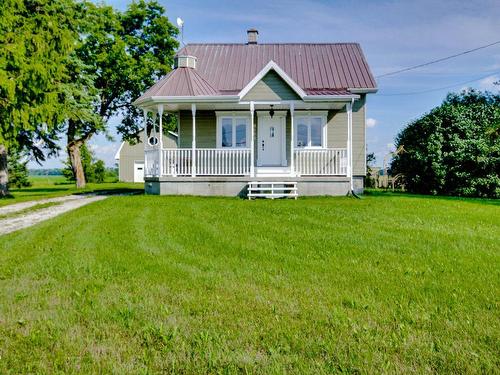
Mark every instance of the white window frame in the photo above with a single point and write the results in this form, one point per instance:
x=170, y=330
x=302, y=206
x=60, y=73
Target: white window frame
x=233, y=116
x=323, y=115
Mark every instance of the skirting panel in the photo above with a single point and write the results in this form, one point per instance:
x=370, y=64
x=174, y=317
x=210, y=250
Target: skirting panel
x=233, y=187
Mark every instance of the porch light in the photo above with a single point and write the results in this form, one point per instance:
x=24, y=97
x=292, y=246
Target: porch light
x=271, y=111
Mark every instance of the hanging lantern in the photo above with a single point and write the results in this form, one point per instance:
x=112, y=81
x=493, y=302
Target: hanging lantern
x=271, y=111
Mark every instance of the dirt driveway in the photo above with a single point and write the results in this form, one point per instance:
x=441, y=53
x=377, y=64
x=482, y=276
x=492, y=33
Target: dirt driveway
x=63, y=204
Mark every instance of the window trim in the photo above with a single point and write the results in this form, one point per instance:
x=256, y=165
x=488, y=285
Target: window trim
x=309, y=115
x=233, y=116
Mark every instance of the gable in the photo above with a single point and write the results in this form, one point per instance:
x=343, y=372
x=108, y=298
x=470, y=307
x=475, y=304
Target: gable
x=271, y=87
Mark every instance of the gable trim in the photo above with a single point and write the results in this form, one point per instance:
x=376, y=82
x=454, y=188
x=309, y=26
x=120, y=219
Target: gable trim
x=272, y=65
x=117, y=155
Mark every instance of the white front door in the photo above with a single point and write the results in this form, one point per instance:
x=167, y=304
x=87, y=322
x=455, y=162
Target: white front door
x=138, y=171
x=270, y=144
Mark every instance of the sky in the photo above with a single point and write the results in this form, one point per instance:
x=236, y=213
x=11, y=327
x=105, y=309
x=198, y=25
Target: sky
x=393, y=35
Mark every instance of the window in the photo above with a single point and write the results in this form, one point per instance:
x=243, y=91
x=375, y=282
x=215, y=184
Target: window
x=232, y=132
x=153, y=141
x=310, y=131
x=227, y=132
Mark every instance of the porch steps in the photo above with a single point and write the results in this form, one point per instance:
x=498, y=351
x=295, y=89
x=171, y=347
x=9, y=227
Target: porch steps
x=272, y=190
x=272, y=171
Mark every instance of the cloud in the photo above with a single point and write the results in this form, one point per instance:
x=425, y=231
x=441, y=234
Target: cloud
x=371, y=122
x=488, y=83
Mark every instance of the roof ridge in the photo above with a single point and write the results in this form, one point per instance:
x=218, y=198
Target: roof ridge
x=270, y=44
x=198, y=75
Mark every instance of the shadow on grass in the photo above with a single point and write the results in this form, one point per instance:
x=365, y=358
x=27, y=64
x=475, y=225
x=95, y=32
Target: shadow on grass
x=117, y=191
x=40, y=190
x=396, y=193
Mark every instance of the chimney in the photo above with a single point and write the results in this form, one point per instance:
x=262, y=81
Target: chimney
x=252, y=36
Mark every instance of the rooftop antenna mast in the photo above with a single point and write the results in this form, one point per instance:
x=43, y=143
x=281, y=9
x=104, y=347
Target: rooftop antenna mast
x=180, y=24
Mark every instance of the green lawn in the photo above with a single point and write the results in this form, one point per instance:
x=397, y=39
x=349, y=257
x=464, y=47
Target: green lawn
x=55, y=186
x=144, y=284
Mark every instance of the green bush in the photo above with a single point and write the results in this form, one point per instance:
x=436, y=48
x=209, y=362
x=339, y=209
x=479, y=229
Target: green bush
x=18, y=172
x=454, y=149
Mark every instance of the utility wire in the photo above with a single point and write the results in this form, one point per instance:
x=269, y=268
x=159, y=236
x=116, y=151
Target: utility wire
x=438, y=60
x=440, y=88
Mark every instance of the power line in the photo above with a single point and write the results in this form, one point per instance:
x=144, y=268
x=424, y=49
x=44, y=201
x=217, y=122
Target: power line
x=438, y=60
x=440, y=88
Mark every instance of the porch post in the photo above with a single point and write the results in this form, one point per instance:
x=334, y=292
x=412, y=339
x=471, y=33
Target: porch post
x=292, y=163
x=145, y=134
x=252, y=146
x=154, y=134
x=193, y=143
x=145, y=140
x=160, y=141
x=349, y=143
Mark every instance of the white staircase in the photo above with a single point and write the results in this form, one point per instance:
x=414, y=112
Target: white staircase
x=272, y=190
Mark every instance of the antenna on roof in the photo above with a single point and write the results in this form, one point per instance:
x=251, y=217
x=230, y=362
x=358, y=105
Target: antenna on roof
x=180, y=24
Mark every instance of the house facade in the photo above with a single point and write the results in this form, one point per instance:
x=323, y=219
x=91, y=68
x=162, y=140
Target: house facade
x=289, y=117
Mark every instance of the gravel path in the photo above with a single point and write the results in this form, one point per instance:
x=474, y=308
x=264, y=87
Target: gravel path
x=11, y=208
x=68, y=203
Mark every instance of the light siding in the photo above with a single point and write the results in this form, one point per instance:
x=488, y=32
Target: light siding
x=271, y=87
x=337, y=134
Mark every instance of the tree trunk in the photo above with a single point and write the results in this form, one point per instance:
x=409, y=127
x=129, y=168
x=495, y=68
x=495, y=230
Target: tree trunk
x=76, y=164
x=4, y=172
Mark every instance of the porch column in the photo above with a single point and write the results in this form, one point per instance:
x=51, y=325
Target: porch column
x=252, y=141
x=145, y=134
x=349, y=143
x=292, y=162
x=154, y=166
x=193, y=143
x=145, y=141
x=160, y=141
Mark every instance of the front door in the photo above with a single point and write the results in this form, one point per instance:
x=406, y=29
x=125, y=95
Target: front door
x=270, y=141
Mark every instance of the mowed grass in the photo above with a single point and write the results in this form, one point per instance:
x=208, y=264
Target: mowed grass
x=56, y=186
x=145, y=284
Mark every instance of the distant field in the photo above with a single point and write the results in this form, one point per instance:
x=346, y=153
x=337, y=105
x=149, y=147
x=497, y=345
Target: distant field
x=390, y=283
x=48, y=180
x=54, y=186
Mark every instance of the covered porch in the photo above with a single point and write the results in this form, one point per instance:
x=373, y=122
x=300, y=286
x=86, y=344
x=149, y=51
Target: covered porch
x=250, y=140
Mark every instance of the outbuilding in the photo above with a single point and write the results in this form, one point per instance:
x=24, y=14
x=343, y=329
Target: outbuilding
x=130, y=157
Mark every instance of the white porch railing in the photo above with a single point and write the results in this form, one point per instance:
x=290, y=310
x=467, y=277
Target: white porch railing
x=223, y=162
x=151, y=167
x=209, y=162
x=321, y=162
x=237, y=162
x=177, y=161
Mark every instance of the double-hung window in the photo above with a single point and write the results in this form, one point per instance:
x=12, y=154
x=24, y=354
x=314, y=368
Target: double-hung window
x=233, y=131
x=310, y=131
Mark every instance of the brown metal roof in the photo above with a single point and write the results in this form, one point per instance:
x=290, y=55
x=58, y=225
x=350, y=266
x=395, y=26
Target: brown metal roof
x=181, y=82
x=320, y=66
x=225, y=69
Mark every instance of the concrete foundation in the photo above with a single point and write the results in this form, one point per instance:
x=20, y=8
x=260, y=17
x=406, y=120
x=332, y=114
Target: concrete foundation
x=237, y=186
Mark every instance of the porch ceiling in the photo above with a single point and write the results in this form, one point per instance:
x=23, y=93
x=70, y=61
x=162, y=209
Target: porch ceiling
x=299, y=106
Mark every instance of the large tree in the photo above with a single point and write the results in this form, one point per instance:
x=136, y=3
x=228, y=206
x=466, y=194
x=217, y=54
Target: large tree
x=122, y=54
x=36, y=41
x=451, y=150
